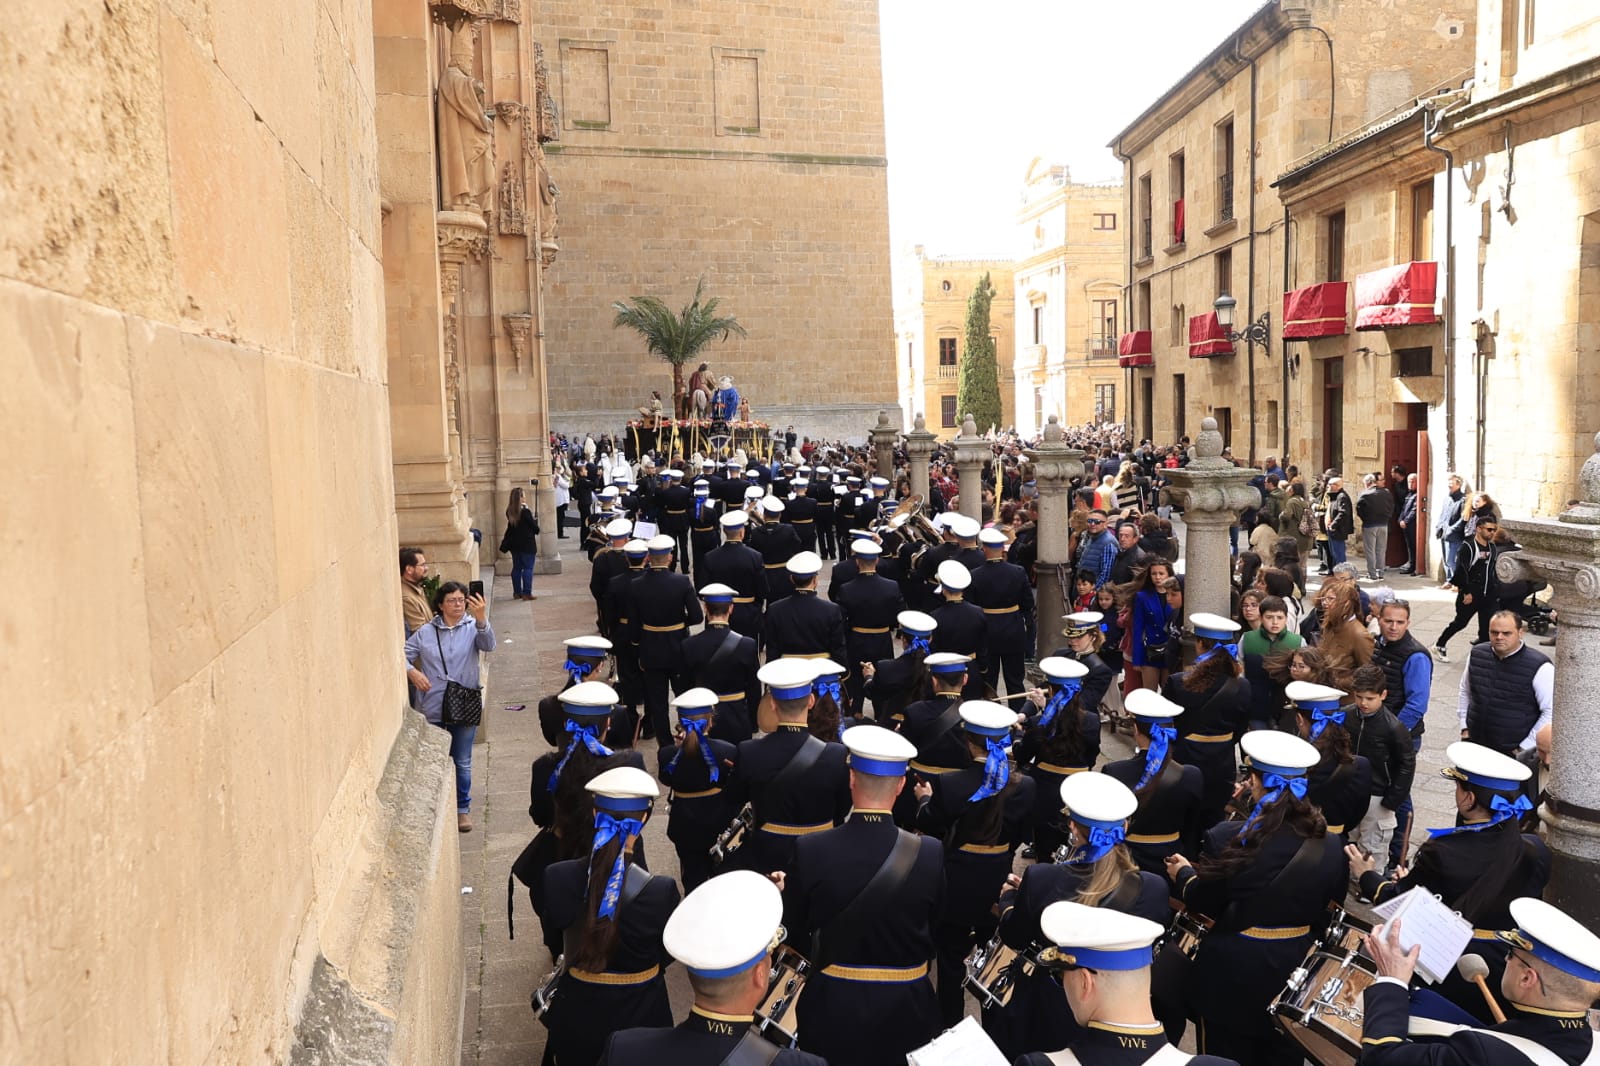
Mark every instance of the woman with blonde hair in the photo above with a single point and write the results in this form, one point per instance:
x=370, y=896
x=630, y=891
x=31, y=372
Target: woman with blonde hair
x=1126, y=494
x=1345, y=642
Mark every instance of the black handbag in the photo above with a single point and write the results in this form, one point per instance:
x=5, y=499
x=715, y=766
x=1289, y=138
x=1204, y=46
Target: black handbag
x=462, y=705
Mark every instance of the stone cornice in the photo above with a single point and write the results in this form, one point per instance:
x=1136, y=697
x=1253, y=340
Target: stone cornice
x=1568, y=87
x=818, y=159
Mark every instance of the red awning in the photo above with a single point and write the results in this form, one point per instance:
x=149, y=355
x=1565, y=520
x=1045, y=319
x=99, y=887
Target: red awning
x=1133, y=349
x=1316, y=310
x=1400, y=295
x=1207, y=337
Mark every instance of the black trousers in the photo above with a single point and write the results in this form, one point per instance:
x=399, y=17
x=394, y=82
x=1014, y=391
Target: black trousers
x=1009, y=664
x=1480, y=608
x=680, y=557
x=826, y=535
x=657, y=689
x=561, y=522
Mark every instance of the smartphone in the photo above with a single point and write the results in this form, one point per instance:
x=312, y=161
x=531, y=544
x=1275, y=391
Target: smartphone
x=475, y=588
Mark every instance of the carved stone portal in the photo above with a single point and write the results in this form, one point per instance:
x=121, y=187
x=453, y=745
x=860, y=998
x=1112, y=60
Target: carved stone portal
x=513, y=213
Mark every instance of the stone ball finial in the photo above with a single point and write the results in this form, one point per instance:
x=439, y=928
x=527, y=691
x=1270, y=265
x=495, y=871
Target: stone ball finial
x=883, y=419
x=1052, y=430
x=969, y=425
x=919, y=424
x=1208, y=445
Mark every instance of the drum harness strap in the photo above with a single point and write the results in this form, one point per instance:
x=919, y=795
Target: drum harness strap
x=799, y=764
x=1538, y=1054
x=753, y=1049
x=880, y=891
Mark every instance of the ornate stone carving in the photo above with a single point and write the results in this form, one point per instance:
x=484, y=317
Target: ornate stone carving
x=513, y=213
x=519, y=327
x=508, y=110
x=549, y=211
x=466, y=131
x=508, y=10
x=460, y=234
x=451, y=12
x=548, y=120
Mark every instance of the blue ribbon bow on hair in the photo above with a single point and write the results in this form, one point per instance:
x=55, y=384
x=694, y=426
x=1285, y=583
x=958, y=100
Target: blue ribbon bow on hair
x=1320, y=720
x=699, y=507
x=918, y=643
x=582, y=733
x=698, y=727
x=1101, y=841
x=996, y=770
x=1231, y=649
x=1504, y=810
x=827, y=687
x=1160, y=737
x=577, y=669
x=606, y=829
x=1059, y=699
x=1275, y=785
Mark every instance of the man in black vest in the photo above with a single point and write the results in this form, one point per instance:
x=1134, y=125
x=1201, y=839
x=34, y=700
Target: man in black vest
x=1505, y=689
x=1408, y=674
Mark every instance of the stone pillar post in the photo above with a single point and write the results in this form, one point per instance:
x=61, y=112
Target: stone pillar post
x=1055, y=465
x=971, y=453
x=1212, y=492
x=461, y=234
x=1565, y=551
x=920, y=446
x=882, y=436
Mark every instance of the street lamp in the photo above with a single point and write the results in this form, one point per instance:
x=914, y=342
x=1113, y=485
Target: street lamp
x=1257, y=332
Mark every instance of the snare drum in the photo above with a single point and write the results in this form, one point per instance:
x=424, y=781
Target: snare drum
x=1320, y=1007
x=1346, y=933
x=989, y=973
x=775, y=1018
x=1188, y=930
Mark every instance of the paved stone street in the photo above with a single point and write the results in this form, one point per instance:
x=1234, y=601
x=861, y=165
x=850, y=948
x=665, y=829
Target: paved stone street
x=498, y=1027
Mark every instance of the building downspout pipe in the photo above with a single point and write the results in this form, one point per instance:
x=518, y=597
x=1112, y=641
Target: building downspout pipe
x=1250, y=348
x=1283, y=350
x=1435, y=112
x=1127, y=300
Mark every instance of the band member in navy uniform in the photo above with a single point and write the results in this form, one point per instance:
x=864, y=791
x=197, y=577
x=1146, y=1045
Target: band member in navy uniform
x=870, y=605
x=1064, y=739
x=1097, y=872
x=607, y=563
x=662, y=606
x=740, y=567
x=630, y=679
x=724, y=934
x=585, y=656
x=606, y=915
x=1004, y=594
x=1477, y=867
x=778, y=543
x=894, y=684
x=675, y=499
x=1216, y=702
x=1103, y=960
x=966, y=530
x=860, y=902
x=801, y=513
x=1341, y=783
x=982, y=814
x=1085, y=637
x=876, y=505
x=961, y=625
x=724, y=660
x=698, y=769
x=704, y=514
x=824, y=493
x=1551, y=980
x=804, y=625
x=795, y=784
x=844, y=508
x=1168, y=791
x=934, y=728
x=1267, y=881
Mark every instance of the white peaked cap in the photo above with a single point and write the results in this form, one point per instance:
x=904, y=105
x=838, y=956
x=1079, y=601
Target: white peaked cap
x=953, y=575
x=726, y=925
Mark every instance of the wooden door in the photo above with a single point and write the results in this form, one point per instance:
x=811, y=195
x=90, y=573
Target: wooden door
x=1399, y=447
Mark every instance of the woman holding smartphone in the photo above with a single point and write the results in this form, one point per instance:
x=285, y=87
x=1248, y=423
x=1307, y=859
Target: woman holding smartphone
x=444, y=650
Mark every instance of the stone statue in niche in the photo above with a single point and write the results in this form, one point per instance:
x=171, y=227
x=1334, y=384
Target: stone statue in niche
x=466, y=130
x=513, y=211
x=548, y=194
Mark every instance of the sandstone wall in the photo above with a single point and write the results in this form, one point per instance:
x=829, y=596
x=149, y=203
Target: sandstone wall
x=738, y=142
x=204, y=654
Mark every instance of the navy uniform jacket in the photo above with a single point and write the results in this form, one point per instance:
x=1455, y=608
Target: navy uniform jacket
x=1104, y=1044
x=962, y=629
x=870, y=604
x=701, y=1040
x=935, y=754
x=1343, y=792
x=1096, y=683
x=1216, y=712
x=700, y=808
x=777, y=543
x=675, y=503
x=849, y=1014
x=738, y=566
x=705, y=531
x=1001, y=590
x=662, y=606
x=818, y=801
x=1165, y=820
x=844, y=571
x=976, y=862
x=801, y=513
x=921, y=591
x=890, y=687
x=807, y=625
x=732, y=678
x=616, y=603
x=608, y=563
x=1386, y=1013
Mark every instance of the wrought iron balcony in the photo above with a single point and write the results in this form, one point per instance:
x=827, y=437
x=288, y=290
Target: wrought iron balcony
x=1225, y=197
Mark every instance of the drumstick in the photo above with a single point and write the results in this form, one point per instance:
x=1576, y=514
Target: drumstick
x=1473, y=968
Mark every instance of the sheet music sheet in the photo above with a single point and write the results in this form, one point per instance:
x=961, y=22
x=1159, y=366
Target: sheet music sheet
x=1425, y=920
x=964, y=1045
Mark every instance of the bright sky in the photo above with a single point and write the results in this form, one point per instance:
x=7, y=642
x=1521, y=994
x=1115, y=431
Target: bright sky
x=974, y=90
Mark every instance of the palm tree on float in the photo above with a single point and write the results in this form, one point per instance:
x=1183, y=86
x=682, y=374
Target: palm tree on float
x=676, y=337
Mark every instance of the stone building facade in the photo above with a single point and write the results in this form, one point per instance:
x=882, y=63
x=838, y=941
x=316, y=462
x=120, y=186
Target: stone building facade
x=1068, y=298
x=736, y=142
x=931, y=331
x=1202, y=220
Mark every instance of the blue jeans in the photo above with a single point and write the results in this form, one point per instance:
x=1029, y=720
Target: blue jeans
x=461, y=754
x=1402, y=817
x=1452, y=548
x=1336, y=550
x=522, y=573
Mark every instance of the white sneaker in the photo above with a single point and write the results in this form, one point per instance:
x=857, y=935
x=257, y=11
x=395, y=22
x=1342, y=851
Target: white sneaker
x=1440, y=654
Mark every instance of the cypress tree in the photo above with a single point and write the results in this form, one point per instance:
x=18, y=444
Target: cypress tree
x=978, y=388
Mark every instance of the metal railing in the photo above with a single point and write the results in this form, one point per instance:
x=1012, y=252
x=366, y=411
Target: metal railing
x=1146, y=239
x=1100, y=347
x=1225, y=197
